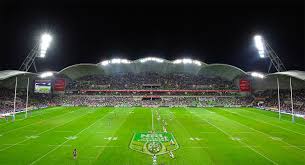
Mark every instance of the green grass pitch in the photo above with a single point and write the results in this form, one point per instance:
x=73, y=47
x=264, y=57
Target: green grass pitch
x=102, y=136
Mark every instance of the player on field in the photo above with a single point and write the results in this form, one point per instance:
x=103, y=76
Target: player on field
x=172, y=142
x=171, y=154
x=154, y=160
x=74, y=153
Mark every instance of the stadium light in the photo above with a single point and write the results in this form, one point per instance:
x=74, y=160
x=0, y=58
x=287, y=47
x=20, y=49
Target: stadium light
x=257, y=75
x=119, y=61
x=44, y=44
x=46, y=74
x=155, y=59
x=104, y=63
x=115, y=61
x=187, y=61
x=260, y=46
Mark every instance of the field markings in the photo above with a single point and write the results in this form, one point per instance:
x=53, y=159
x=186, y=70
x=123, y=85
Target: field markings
x=265, y=122
x=266, y=134
x=275, y=117
x=201, y=146
x=35, y=161
x=241, y=142
x=34, y=123
x=13, y=144
x=29, y=117
x=113, y=132
x=3, y=149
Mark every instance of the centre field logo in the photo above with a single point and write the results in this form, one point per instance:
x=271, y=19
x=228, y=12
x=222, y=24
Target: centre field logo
x=154, y=143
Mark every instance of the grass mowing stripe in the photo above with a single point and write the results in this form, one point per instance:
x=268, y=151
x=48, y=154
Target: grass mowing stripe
x=35, y=123
x=274, y=115
x=128, y=115
x=270, y=124
x=275, y=118
x=268, y=135
x=40, y=133
x=35, y=161
x=197, y=142
x=49, y=110
x=230, y=136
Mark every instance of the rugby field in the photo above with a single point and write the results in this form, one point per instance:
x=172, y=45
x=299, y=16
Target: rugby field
x=112, y=136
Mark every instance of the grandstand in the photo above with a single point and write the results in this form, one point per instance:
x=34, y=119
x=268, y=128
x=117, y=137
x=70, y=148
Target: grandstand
x=128, y=111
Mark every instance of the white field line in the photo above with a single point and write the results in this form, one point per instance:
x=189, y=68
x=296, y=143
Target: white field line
x=13, y=144
x=268, y=135
x=187, y=131
x=33, y=123
x=243, y=143
x=288, y=121
x=40, y=133
x=112, y=134
x=265, y=122
x=44, y=113
x=35, y=161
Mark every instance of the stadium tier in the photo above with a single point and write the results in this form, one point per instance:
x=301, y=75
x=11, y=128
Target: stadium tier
x=114, y=82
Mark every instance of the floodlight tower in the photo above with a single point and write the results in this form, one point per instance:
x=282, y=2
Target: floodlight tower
x=39, y=50
x=265, y=50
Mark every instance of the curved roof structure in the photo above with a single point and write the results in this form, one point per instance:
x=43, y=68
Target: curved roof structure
x=292, y=73
x=5, y=74
x=225, y=71
x=270, y=80
x=79, y=70
x=154, y=64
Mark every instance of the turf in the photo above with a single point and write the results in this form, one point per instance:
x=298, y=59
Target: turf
x=103, y=135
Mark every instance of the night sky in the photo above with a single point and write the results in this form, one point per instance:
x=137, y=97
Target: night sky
x=210, y=32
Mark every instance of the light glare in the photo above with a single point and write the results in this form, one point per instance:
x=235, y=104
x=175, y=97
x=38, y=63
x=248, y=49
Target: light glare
x=155, y=59
x=187, y=61
x=115, y=61
x=46, y=74
x=258, y=75
x=259, y=45
x=44, y=44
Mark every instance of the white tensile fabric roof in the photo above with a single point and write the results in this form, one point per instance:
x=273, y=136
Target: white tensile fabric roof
x=292, y=73
x=5, y=74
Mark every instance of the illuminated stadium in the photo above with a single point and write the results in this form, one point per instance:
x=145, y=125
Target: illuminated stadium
x=124, y=96
x=130, y=87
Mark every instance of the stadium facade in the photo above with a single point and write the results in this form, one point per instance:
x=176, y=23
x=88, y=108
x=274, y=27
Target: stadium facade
x=161, y=66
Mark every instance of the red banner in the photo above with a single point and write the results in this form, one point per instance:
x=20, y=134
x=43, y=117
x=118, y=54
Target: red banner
x=244, y=85
x=59, y=85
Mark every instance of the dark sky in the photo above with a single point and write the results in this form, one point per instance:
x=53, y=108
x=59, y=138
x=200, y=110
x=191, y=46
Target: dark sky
x=211, y=32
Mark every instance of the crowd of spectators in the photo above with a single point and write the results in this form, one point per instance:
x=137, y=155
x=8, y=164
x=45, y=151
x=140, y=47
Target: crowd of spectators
x=149, y=81
x=269, y=99
x=265, y=99
x=226, y=101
